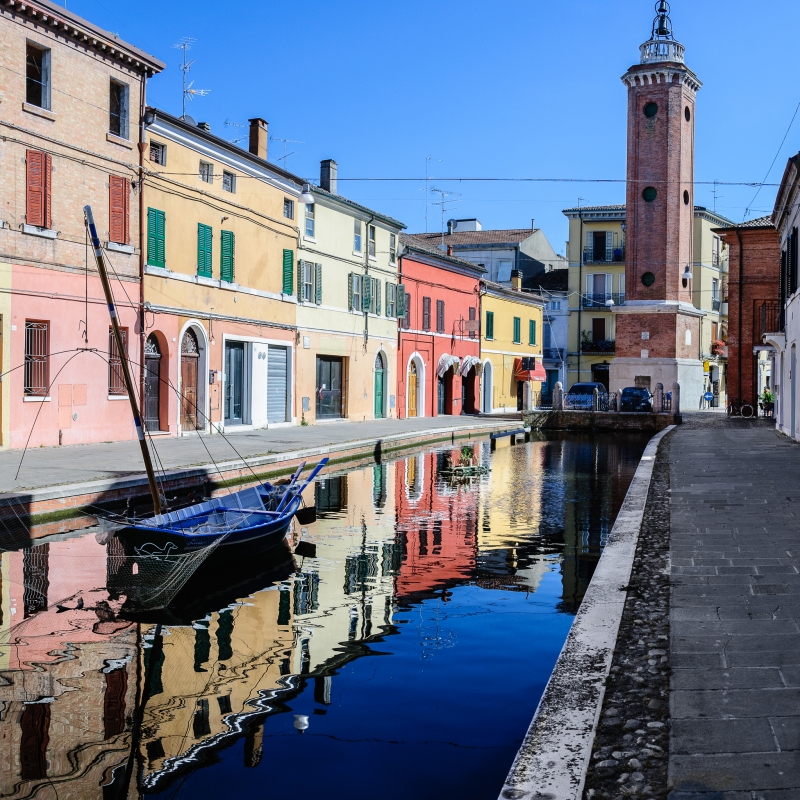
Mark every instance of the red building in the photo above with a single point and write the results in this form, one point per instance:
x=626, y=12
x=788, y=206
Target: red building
x=439, y=354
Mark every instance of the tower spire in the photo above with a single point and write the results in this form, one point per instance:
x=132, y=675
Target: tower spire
x=662, y=45
x=662, y=24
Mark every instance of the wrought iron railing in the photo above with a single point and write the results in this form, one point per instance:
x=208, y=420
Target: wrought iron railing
x=772, y=317
x=37, y=346
x=715, y=304
x=599, y=347
x=553, y=353
x=601, y=300
x=606, y=255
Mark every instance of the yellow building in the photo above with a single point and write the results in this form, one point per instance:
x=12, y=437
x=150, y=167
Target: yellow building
x=219, y=280
x=511, y=347
x=347, y=309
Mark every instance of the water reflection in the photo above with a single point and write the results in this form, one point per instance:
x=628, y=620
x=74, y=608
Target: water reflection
x=383, y=649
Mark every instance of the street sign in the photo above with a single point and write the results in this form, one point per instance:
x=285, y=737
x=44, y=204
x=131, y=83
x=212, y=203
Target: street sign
x=708, y=397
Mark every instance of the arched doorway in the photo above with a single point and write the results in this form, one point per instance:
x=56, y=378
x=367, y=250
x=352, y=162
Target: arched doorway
x=191, y=420
x=412, y=386
x=468, y=383
x=487, y=388
x=380, y=382
x=152, y=384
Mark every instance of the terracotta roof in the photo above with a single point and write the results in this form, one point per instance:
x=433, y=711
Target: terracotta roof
x=416, y=242
x=617, y=207
x=557, y=280
x=510, y=236
x=758, y=222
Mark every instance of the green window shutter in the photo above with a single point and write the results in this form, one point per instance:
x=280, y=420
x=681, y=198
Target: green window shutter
x=300, y=278
x=377, y=288
x=517, y=331
x=156, y=228
x=388, y=297
x=366, y=293
x=318, y=284
x=532, y=332
x=288, y=271
x=350, y=291
x=400, y=301
x=490, y=324
x=226, y=242
x=205, y=237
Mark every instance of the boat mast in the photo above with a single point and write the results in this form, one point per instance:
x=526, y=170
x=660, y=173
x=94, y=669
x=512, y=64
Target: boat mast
x=123, y=357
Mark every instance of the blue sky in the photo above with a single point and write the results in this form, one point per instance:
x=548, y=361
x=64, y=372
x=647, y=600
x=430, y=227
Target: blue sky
x=495, y=90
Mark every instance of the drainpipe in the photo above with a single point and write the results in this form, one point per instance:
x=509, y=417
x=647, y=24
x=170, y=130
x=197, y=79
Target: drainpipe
x=580, y=292
x=142, y=256
x=400, y=257
x=739, y=343
x=366, y=272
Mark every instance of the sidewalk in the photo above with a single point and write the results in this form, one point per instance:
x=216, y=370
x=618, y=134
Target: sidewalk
x=734, y=611
x=55, y=466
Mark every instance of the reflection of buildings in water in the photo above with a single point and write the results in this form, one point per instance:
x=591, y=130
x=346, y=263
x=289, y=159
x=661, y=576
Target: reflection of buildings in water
x=436, y=527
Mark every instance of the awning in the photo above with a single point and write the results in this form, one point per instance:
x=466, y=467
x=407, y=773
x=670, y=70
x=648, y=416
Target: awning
x=528, y=369
x=468, y=363
x=445, y=363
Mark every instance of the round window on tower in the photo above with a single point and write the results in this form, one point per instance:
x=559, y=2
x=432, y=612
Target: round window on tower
x=686, y=197
x=651, y=109
x=648, y=279
x=649, y=194
x=688, y=114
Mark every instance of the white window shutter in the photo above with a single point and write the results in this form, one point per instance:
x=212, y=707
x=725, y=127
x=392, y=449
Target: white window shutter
x=589, y=285
x=609, y=245
x=622, y=286
x=609, y=285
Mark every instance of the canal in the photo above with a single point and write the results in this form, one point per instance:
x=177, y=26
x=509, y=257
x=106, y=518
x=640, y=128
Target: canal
x=402, y=656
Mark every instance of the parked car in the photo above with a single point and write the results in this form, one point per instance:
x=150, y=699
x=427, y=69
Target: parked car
x=581, y=395
x=636, y=399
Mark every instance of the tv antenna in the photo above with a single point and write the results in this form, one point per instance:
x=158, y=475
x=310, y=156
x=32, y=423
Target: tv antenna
x=237, y=125
x=428, y=160
x=285, y=142
x=445, y=199
x=716, y=195
x=185, y=44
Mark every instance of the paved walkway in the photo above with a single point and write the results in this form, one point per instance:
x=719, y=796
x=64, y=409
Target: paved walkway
x=53, y=466
x=735, y=612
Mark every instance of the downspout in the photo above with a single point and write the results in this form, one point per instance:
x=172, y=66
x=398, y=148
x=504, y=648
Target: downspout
x=400, y=257
x=366, y=272
x=580, y=294
x=739, y=333
x=142, y=147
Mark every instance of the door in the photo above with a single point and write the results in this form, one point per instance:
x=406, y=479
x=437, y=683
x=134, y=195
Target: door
x=487, y=387
x=412, y=389
x=793, y=379
x=441, y=395
x=234, y=383
x=152, y=383
x=468, y=392
x=190, y=356
x=277, y=384
x=598, y=330
x=599, y=247
x=599, y=290
x=601, y=373
x=329, y=387
x=379, y=379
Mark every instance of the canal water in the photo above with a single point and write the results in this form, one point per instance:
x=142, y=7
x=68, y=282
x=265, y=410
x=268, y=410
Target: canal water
x=404, y=659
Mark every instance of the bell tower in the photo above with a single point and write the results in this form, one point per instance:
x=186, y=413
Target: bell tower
x=658, y=328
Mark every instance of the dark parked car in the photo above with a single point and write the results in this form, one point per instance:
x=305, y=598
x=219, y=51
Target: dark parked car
x=635, y=399
x=581, y=395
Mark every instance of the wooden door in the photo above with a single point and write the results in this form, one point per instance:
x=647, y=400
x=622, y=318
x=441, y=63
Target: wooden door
x=152, y=384
x=189, y=392
x=379, y=373
x=412, y=390
x=598, y=330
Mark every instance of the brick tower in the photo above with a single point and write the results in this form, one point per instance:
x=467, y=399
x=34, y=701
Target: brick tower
x=658, y=328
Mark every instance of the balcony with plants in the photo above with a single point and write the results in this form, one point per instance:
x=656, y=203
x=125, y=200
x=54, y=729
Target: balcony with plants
x=596, y=347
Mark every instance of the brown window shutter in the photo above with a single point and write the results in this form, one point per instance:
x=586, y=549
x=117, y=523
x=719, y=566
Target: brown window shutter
x=46, y=173
x=118, y=209
x=34, y=209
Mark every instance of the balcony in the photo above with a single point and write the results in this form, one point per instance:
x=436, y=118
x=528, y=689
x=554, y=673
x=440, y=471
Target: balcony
x=772, y=317
x=716, y=304
x=553, y=354
x=599, y=348
x=600, y=301
x=611, y=255
x=723, y=309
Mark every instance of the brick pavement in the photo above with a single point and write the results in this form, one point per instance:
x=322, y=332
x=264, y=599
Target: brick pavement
x=734, y=611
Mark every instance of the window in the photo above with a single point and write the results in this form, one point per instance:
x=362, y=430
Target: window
x=472, y=317
x=116, y=383
x=517, y=330
x=288, y=271
x=118, y=109
x=288, y=208
x=391, y=300
x=306, y=270
x=205, y=237
x=206, y=172
x=392, y=248
x=357, y=236
x=715, y=251
x=490, y=324
x=229, y=182
x=426, y=313
x=504, y=271
x=440, y=316
x=39, y=167
x=406, y=310
x=714, y=289
x=158, y=153
x=227, y=246
x=372, y=249
x=714, y=332
x=37, y=75
x=37, y=363
x=355, y=292
x=119, y=193
x=156, y=237
x=310, y=220
x=532, y=331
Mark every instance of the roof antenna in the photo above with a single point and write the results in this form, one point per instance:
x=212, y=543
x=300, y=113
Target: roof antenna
x=443, y=202
x=285, y=142
x=188, y=92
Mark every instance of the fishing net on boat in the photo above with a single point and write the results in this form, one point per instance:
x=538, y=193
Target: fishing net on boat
x=151, y=577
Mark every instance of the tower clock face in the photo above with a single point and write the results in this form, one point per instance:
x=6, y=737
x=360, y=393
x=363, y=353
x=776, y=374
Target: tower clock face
x=648, y=279
x=650, y=194
x=651, y=109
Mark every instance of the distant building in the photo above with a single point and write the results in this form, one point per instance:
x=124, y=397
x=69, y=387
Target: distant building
x=553, y=287
x=498, y=251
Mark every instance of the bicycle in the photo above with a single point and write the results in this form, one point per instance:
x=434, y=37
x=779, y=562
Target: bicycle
x=736, y=408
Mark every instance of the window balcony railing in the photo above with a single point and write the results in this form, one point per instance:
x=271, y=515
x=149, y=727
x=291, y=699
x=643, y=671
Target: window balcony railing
x=602, y=347
x=716, y=304
x=772, y=317
x=601, y=300
x=553, y=354
x=609, y=255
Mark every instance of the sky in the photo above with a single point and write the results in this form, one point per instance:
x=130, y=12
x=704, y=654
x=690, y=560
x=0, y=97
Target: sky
x=507, y=89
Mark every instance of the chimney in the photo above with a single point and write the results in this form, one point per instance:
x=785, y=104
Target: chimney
x=328, y=172
x=516, y=280
x=450, y=250
x=204, y=126
x=533, y=224
x=451, y=223
x=259, y=135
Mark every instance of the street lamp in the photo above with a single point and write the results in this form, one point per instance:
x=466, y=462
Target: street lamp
x=306, y=197
x=686, y=277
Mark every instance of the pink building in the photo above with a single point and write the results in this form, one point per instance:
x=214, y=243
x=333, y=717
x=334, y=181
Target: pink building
x=439, y=353
x=71, y=105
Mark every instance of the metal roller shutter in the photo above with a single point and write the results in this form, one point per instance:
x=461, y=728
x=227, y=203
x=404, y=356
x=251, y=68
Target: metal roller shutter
x=277, y=383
